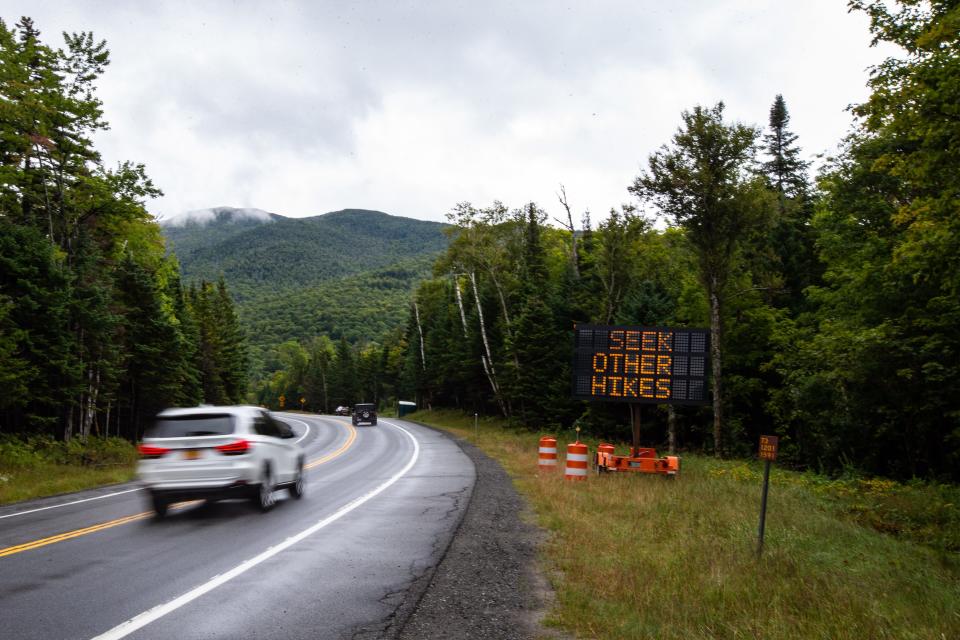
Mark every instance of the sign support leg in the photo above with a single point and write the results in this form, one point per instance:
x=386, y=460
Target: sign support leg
x=635, y=423
x=763, y=507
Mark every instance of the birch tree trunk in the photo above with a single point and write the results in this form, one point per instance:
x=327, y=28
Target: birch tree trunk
x=90, y=406
x=611, y=293
x=574, y=257
x=503, y=300
x=488, y=358
x=506, y=315
x=423, y=355
x=715, y=332
x=463, y=316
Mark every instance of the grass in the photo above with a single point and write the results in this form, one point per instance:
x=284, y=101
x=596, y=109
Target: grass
x=37, y=467
x=636, y=556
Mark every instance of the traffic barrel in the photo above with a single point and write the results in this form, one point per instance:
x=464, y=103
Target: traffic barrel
x=673, y=465
x=547, y=454
x=604, y=450
x=576, y=461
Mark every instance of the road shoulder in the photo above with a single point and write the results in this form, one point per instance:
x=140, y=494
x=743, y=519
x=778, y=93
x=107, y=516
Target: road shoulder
x=488, y=584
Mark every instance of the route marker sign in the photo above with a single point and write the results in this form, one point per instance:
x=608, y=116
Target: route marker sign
x=768, y=447
x=768, y=452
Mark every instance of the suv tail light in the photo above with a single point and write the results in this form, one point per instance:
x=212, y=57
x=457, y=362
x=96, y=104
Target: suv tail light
x=236, y=448
x=150, y=452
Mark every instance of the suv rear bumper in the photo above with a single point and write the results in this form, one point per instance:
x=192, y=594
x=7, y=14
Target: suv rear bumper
x=238, y=489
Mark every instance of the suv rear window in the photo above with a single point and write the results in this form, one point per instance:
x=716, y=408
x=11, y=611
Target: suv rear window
x=206, y=424
x=363, y=407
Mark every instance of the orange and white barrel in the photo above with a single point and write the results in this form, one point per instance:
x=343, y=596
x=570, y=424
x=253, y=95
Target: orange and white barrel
x=576, y=461
x=547, y=454
x=604, y=450
x=673, y=465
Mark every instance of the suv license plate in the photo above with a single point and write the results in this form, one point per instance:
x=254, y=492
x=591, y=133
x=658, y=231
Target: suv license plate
x=191, y=454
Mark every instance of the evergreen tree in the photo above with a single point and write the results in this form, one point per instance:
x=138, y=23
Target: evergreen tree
x=784, y=259
x=210, y=345
x=538, y=344
x=151, y=381
x=188, y=340
x=320, y=354
x=39, y=291
x=786, y=170
x=343, y=385
x=233, y=352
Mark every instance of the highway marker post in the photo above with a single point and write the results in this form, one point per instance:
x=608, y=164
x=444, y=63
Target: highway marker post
x=768, y=453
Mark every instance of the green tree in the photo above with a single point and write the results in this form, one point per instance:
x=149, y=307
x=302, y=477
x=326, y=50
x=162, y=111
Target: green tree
x=233, y=355
x=704, y=184
x=617, y=258
x=320, y=354
x=872, y=373
x=787, y=171
x=343, y=381
x=151, y=380
x=539, y=382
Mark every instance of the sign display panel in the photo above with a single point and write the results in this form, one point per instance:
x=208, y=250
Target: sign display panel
x=768, y=447
x=652, y=365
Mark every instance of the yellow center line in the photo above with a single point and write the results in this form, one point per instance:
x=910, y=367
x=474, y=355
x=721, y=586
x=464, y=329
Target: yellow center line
x=76, y=533
x=338, y=452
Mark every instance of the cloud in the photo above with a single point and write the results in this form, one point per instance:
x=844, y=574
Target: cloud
x=202, y=217
x=410, y=107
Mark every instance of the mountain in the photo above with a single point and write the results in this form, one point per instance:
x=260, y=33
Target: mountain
x=207, y=227
x=349, y=272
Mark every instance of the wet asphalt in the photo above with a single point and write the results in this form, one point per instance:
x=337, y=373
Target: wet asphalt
x=358, y=557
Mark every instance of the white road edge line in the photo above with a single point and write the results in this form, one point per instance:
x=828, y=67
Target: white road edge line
x=126, y=628
x=67, y=504
x=305, y=433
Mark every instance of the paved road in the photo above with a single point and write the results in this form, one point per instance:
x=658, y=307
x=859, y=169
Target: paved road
x=381, y=505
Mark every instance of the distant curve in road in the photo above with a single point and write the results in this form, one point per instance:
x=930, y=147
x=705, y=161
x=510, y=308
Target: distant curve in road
x=381, y=505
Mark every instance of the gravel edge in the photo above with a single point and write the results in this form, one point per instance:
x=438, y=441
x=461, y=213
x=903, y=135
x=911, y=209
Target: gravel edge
x=487, y=583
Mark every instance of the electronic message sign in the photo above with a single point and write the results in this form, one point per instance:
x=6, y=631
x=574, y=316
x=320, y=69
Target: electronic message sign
x=652, y=365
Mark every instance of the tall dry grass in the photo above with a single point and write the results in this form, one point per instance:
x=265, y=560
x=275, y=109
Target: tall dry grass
x=37, y=467
x=637, y=556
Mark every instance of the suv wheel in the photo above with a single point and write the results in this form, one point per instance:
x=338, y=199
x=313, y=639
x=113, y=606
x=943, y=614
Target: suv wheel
x=264, y=497
x=159, y=505
x=296, y=489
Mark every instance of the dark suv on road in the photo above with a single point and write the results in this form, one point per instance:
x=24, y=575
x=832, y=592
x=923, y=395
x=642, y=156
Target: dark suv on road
x=365, y=412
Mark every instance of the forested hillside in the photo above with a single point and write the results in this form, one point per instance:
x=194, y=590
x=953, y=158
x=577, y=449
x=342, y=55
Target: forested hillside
x=347, y=273
x=833, y=304
x=96, y=330
x=279, y=253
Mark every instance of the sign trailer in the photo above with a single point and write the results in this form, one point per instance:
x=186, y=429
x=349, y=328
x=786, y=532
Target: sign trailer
x=640, y=365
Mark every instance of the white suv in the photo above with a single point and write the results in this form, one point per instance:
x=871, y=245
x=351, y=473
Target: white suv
x=219, y=452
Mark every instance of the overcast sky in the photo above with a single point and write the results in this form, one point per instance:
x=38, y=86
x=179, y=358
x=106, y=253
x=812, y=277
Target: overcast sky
x=301, y=108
